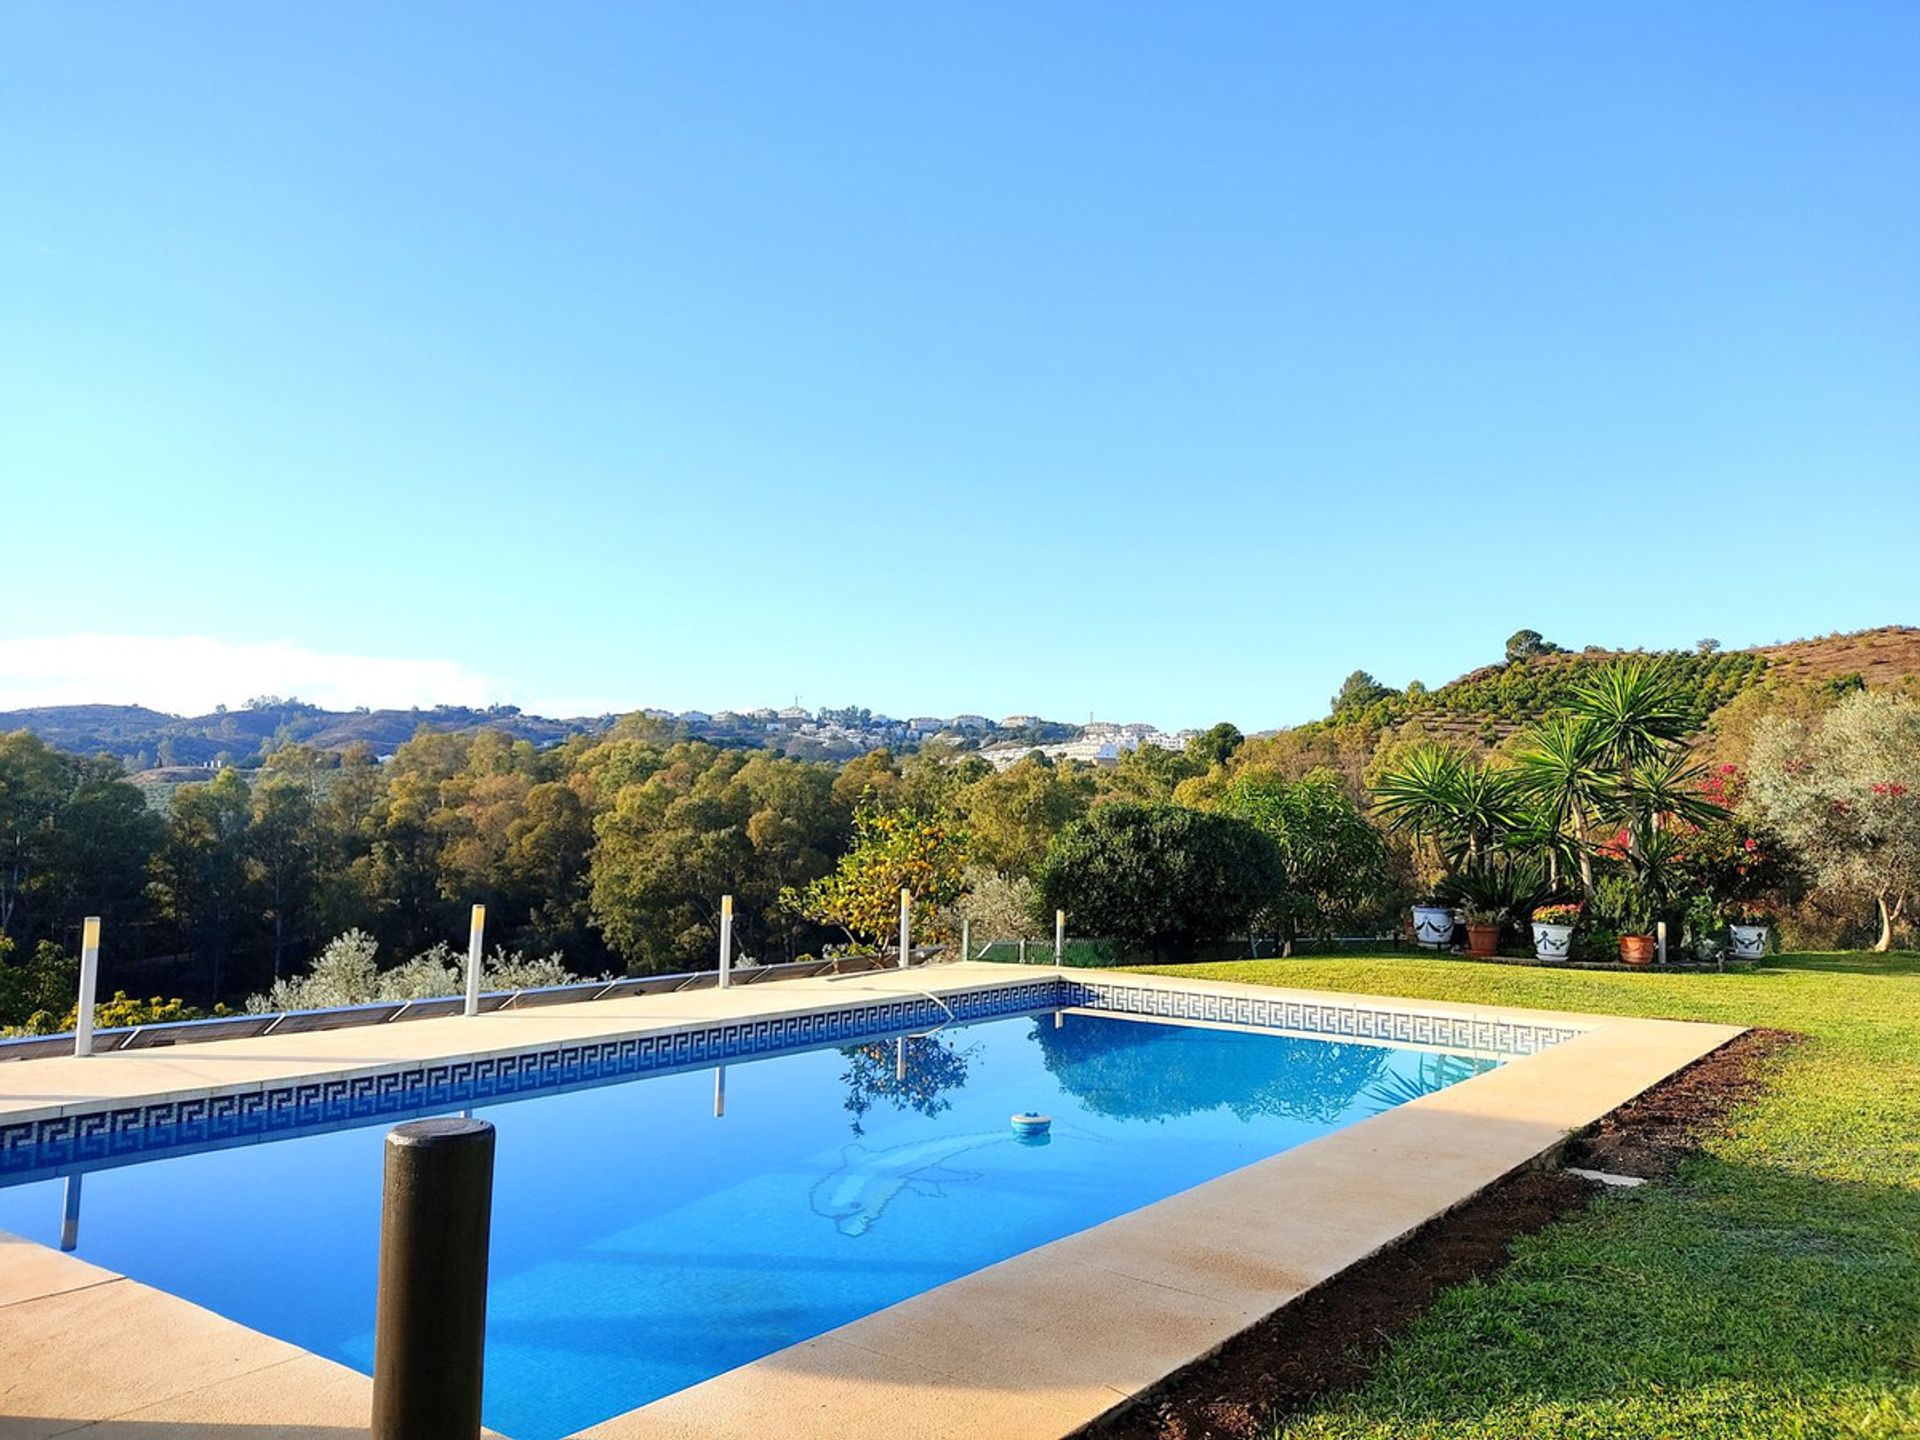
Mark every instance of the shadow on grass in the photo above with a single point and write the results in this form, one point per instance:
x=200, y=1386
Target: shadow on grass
x=1842, y=962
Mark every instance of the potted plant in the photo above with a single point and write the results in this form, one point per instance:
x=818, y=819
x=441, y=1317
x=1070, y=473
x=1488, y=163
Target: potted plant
x=1746, y=932
x=1494, y=891
x=1638, y=944
x=1483, y=932
x=1433, y=922
x=1553, y=927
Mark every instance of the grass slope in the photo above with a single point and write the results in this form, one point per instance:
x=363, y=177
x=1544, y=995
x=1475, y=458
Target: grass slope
x=1770, y=1289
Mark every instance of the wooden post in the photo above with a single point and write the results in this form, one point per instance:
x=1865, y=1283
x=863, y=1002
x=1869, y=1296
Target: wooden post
x=431, y=1313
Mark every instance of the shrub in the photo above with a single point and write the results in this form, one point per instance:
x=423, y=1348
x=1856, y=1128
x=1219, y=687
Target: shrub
x=346, y=974
x=43, y=986
x=1160, y=876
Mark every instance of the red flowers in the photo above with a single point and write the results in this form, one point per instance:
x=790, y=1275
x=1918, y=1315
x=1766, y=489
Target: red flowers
x=1889, y=790
x=1724, y=787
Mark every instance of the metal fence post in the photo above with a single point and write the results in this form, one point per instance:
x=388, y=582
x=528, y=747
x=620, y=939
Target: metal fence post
x=476, y=932
x=430, y=1327
x=726, y=940
x=966, y=938
x=89, y=986
x=1059, y=938
x=906, y=928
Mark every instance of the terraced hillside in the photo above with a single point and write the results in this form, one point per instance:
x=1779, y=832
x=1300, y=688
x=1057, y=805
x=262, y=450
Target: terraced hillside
x=1486, y=705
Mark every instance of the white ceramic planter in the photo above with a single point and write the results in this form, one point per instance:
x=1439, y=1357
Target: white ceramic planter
x=1746, y=942
x=1552, y=942
x=1433, y=926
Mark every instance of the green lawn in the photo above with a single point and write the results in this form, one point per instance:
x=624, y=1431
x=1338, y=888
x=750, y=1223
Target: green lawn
x=1770, y=1289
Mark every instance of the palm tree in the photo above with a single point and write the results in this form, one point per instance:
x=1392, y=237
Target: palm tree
x=1465, y=807
x=1666, y=786
x=1637, y=711
x=1561, y=768
x=1615, y=755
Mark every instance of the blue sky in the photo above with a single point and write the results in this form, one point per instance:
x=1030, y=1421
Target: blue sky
x=1164, y=362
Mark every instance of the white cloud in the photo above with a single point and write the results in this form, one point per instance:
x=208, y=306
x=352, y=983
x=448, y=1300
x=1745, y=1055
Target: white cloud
x=190, y=674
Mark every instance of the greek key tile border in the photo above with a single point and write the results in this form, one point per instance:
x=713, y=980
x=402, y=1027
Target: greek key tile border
x=1389, y=1025
x=66, y=1142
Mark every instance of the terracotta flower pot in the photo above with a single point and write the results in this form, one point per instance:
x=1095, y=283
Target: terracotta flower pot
x=1637, y=949
x=1482, y=940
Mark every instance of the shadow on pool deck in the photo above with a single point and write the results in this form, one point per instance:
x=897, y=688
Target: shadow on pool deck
x=10, y=1428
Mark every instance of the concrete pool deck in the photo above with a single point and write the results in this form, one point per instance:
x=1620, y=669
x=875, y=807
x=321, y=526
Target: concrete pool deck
x=1037, y=1345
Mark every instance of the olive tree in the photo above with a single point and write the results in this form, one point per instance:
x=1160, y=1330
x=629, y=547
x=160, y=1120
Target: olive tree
x=1843, y=791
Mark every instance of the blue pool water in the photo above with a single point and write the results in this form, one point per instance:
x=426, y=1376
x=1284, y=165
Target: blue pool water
x=641, y=1243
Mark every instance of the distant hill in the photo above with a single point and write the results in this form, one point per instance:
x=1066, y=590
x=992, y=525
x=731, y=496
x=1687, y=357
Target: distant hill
x=1488, y=704
x=165, y=750
x=1483, y=706
x=149, y=739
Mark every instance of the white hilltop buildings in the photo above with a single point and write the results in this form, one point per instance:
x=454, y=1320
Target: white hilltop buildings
x=1100, y=742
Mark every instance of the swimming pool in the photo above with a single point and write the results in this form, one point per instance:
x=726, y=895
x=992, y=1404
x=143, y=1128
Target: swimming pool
x=652, y=1233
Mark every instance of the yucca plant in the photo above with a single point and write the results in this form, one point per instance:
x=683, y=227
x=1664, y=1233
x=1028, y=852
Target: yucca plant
x=1637, y=710
x=1465, y=808
x=1614, y=757
x=1671, y=785
x=1561, y=769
